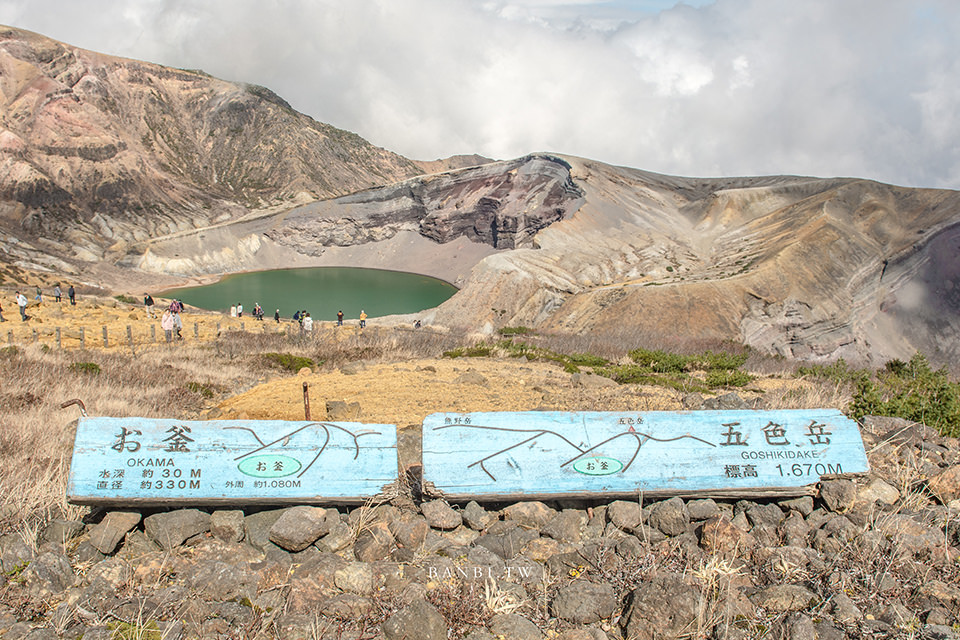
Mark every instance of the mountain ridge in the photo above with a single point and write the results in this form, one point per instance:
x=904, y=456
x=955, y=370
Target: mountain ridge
x=808, y=268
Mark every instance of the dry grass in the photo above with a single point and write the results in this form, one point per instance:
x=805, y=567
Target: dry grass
x=197, y=378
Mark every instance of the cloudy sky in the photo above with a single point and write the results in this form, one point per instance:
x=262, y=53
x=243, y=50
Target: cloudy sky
x=866, y=88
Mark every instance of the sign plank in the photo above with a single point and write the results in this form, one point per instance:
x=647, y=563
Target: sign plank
x=141, y=461
x=582, y=454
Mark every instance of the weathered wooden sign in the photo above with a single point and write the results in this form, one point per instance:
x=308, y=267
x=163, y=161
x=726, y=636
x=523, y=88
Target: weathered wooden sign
x=579, y=454
x=158, y=461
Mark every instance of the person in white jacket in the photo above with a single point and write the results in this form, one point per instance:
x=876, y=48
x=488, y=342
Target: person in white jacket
x=307, y=324
x=22, y=303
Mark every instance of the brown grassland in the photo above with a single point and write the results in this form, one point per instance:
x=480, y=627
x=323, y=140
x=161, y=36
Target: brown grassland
x=398, y=376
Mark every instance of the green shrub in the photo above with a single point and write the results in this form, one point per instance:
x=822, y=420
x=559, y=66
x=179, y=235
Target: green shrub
x=204, y=390
x=288, y=361
x=476, y=351
x=91, y=368
x=838, y=372
x=587, y=360
x=514, y=331
x=912, y=391
x=728, y=378
x=127, y=299
x=660, y=361
x=721, y=361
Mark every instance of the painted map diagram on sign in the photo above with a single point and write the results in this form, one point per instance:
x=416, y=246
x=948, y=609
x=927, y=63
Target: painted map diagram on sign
x=161, y=461
x=544, y=454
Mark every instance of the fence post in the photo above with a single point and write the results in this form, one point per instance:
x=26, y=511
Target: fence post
x=83, y=338
x=9, y=336
x=242, y=327
x=196, y=330
x=153, y=333
x=59, y=344
x=130, y=336
x=104, y=336
x=34, y=333
x=218, y=329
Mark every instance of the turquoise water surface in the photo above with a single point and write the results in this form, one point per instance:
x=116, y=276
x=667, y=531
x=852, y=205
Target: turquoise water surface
x=320, y=290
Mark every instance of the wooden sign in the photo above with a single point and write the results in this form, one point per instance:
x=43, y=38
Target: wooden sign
x=582, y=454
x=157, y=461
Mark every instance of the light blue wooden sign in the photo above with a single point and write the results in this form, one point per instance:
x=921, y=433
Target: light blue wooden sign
x=164, y=462
x=580, y=454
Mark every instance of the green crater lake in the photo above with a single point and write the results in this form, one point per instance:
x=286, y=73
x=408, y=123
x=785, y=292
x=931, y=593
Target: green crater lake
x=320, y=290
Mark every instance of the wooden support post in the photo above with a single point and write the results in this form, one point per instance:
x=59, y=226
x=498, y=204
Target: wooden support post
x=105, y=335
x=218, y=329
x=196, y=330
x=9, y=336
x=34, y=334
x=306, y=402
x=130, y=336
x=83, y=338
x=59, y=343
x=153, y=333
x=242, y=327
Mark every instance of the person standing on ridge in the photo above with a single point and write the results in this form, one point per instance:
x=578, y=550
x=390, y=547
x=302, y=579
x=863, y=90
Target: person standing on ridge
x=363, y=318
x=340, y=318
x=72, y=294
x=57, y=293
x=22, y=303
x=166, y=323
x=148, y=305
x=276, y=316
x=39, y=297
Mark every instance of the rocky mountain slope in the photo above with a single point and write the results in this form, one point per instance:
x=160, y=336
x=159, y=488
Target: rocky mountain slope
x=805, y=267
x=97, y=151
x=131, y=172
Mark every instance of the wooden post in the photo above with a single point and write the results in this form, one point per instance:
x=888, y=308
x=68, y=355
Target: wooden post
x=218, y=329
x=306, y=402
x=196, y=330
x=34, y=334
x=241, y=327
x=105, y=335
x=9, y=336
x=130, y=336
x=83, y=338
x=59, y=344
x=153, y=333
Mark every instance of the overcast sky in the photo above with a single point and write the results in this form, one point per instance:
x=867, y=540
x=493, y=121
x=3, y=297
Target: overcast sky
x=866, y=88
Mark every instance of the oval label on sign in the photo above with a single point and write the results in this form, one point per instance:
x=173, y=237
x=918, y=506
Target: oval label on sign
x=597, y=466
x=269, y=466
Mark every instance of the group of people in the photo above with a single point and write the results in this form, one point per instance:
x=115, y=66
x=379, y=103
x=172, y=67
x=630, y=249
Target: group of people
x=170, y=321
x=22, y=301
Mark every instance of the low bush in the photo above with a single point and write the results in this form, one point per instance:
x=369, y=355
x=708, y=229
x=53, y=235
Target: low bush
x=514, y=331
x=476, y=351
x=838, y=372
x=91, y=368
x=287, y=361
x=912, y=391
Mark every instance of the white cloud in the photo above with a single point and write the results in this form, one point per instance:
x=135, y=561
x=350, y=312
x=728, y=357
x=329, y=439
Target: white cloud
x=823, y=87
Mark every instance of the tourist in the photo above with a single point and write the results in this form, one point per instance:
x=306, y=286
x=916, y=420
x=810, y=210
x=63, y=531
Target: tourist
x=340, y=318
x=416, y=324
x=57, y=294
x=233, y=311
x=39, y=296
x=22, y=303
x=239, y=310
x=72, y=294
x=276, y=316
x=177, y=325
x=363, y=318
x=307, y=324
x=296, y=315
x=166, y=323
x=148, y=305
